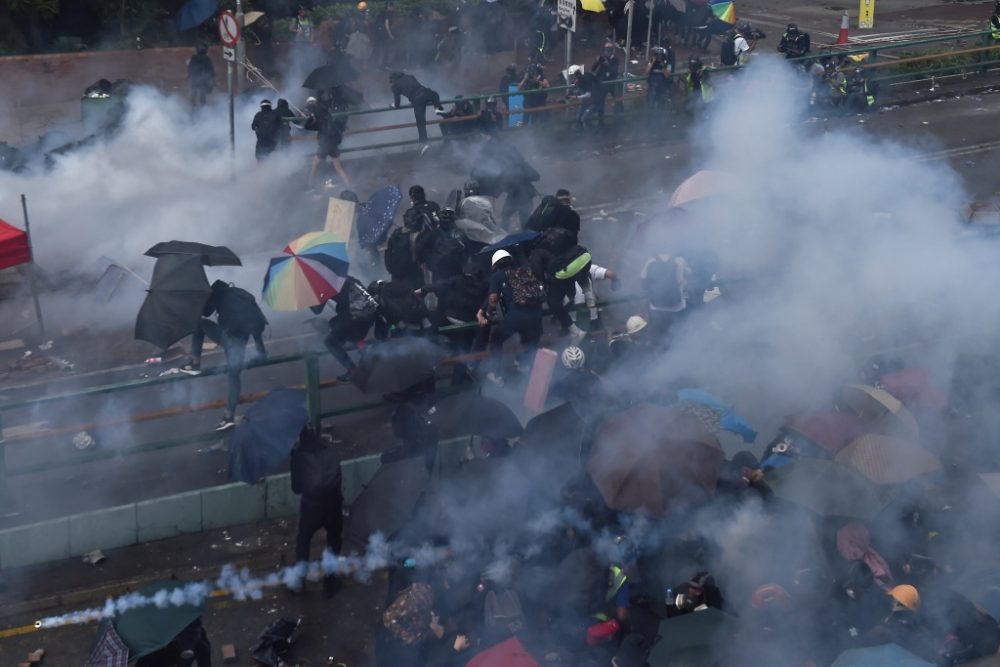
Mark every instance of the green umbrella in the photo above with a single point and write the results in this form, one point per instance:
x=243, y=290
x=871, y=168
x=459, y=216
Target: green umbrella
x=692, y=639
x=147, y=629
x=826, y=487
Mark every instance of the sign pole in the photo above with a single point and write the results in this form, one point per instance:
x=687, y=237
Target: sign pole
x=230, y=32
x=649, y=27
x=241, y=48
x=31, y=268
x=630, y=8
x=232, y=105
x=569, y=49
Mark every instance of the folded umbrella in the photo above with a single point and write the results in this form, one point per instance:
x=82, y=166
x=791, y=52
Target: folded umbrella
x=264, y=437
x=311, y=271
x=174, y=302
x=375, y=215
x=211, y=255
x=886, y=655
x=396, y=365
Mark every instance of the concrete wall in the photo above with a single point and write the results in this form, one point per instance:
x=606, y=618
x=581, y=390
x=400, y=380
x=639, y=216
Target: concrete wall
x=191, y=512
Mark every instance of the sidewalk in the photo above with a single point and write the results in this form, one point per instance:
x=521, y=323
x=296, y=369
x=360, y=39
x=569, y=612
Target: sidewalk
x=341, y=627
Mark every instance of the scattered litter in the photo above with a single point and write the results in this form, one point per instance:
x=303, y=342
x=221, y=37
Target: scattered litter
x=36, y=656
x=970, y=163
x=612, y=219
x=228, y=653
x=603, y=213
x=170, y=371
x=153, y=360
x=638, y=213
x=981, y=109
x=979, y=98
x=93, y=558
x=47, y=345
x=27, y=353
x=225, y=535
x=924, y=122
x=861, y=120
x=84, y=441
x=63, y=363
x=618, y=146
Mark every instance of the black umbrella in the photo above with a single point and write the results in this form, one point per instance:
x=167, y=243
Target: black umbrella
x=387, y=502
x=511, y=240
x=175, y=301
x=211, y=255
x=265, y=436
x=396, y=365
x=332, y=75
x=473, y=414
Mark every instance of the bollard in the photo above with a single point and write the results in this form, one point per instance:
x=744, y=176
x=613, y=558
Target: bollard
x=312, y=390
x=4, y=495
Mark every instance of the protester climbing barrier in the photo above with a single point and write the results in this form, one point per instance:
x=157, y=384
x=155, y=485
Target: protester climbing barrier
x=893, y=62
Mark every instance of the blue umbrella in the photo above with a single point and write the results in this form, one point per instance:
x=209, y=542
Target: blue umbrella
x=264, y=438
x=887, y=655
x=511, y=240
x=375, y=215
x=194, y=13
x=728, y=419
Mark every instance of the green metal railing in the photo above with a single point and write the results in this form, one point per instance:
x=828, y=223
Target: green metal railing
x=871, y=52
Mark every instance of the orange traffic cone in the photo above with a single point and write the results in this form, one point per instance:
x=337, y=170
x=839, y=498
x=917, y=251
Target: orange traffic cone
x=842, y=35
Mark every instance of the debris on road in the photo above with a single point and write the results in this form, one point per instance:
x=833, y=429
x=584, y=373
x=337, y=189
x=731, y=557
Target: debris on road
x=84, y=441
x=36, y=656
x=228, y=653
x=94, y=557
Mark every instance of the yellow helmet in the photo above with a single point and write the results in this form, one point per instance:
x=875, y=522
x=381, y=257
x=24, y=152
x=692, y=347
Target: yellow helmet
x=907, y=597
x=362, y=6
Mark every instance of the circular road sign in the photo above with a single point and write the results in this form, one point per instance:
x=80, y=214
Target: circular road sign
x=229, y=29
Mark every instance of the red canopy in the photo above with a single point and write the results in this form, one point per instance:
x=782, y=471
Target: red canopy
x=14, y=246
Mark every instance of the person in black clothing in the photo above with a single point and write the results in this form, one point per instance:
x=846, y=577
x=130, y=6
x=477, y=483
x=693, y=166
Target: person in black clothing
x=589, y=91
x=266, y=126
x=283, y=112
x=462, y=109
x=658, y=73
x=794, y=44
x=330, y=129
x=419, y=203
x=400, y=251
x=606, y=69
x=510, y=77
x=534, y=86
x=419, y=96
x=556, y=212
x=316, y=476
x=239, y=319
x=516, y=295
x=490, y=118
x=356, y=312
x=200, y=75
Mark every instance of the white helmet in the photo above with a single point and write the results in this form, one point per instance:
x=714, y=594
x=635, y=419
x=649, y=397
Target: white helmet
x=573, y=357
x=635, y=324
x=574, y=70
x=498, y=256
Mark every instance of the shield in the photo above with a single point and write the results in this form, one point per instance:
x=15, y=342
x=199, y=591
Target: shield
x=309, y=273
x=653, y=458
x=880, y=408
x=886, y=655
x=195, y=12
x=474, y=414
x=147, y=629
x=981, y=587
x=396, y=365
x=331, y=75
x=512, y=240
x=375, y=215
x=690, y=639
x=826, y=488
x=175, y=300
x=387, y=502
x=702, y=185
x=887, y=460
x=264, y=438
x=110, y=650
x=211, y=255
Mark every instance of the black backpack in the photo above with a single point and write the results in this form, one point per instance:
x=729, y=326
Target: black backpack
x=447, y=255
x=267, y=125
x=543, y=216
x=728, y=55
x=503, y=612
x=662, y=283
x=399, y=259
x=239, y=313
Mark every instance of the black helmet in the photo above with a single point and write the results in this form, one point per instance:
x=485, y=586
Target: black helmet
x=413, y=219
x=491, y=101
x=694, y=62
x=511, y=70
x=417, y=193
x=446, y=216
x=471, y=188
x=792, y=28
x=744, y=28
x=202, y=48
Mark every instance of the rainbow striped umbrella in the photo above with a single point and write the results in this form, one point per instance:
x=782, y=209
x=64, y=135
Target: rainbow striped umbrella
x=724, y=10
x=311, y=270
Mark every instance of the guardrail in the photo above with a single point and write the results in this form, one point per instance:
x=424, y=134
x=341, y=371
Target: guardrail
x=978, y=60
x=312, y=384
